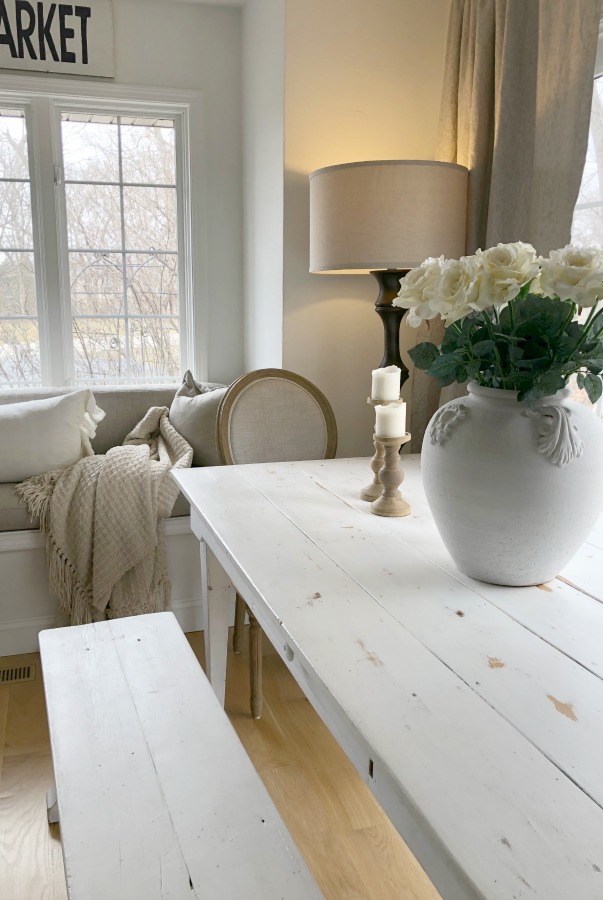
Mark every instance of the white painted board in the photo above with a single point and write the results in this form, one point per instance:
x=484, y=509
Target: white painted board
x=46, y=36
x=157, y=797
x=491, y=784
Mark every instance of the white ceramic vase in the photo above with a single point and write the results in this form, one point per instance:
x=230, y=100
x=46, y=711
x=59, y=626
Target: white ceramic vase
x=514, y=492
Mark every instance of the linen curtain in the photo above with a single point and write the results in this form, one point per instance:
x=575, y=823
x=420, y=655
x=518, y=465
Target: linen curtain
x=515, y=110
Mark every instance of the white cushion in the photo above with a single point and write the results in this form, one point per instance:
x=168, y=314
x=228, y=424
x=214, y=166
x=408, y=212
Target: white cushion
x=39, y=436
x=193, y=413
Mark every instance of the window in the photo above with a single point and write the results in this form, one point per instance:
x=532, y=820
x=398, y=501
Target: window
x=120, y=198
x=19, y=331
x=95, y=270
x=587, y=224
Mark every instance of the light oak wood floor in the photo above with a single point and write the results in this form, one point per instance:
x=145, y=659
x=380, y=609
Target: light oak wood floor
x=349, y=844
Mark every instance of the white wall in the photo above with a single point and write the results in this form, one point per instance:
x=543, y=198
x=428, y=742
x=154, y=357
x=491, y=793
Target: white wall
x=362, y=81
x=182, y=45
x=263, y=125
x=192, y=47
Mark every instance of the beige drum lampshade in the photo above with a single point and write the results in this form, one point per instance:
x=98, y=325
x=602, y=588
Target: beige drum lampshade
x=386, y=214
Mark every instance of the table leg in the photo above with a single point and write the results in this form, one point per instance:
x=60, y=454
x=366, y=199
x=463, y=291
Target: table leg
x=52, y=806
x=255, y=666
x=217, y=594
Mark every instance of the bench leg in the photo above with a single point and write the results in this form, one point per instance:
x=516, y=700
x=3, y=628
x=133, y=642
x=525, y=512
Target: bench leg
x=52, y=805
x=239, y=624
x=255, y=665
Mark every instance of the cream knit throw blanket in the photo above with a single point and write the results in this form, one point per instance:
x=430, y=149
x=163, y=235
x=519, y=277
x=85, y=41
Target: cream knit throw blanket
x=103, y=520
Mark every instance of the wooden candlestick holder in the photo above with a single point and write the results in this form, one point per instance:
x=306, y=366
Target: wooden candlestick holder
x=374, y=490
x=391, y=501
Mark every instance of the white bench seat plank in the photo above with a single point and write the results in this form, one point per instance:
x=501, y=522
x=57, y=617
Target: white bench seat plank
x=484, y=810
x=157, y=797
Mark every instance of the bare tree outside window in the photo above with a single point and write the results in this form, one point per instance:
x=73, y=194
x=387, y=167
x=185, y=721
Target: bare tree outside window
x=121, y=202
x=19, y=334
x=587, y=225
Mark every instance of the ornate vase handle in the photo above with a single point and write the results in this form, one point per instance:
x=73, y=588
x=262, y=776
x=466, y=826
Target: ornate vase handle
x=558, y=437
x=444, y=422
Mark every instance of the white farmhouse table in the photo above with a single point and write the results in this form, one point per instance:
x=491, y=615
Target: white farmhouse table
x=473, y=711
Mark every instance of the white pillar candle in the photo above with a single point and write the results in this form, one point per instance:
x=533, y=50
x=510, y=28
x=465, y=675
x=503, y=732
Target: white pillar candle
x=386, y=383
x=391, y=420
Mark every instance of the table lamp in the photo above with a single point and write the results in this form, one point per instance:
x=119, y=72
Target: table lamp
x=385, y=217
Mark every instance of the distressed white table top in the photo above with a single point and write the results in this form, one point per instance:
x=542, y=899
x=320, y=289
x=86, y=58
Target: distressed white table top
x=480, y=706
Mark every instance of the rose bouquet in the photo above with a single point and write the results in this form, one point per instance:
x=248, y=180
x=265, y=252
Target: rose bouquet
x=511, y=318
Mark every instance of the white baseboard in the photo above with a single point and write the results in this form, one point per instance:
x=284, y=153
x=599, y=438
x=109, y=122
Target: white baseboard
x=21, y=636
x=27, y=607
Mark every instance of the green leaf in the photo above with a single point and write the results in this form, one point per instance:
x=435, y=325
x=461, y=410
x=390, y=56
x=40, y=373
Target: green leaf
x=472, y=367
x=593, y=387
x=423, y=355
x=452, y=341
x=480, y=334
x=444, y=369
x=483, y=347
x=549, y=383
x=580, y=380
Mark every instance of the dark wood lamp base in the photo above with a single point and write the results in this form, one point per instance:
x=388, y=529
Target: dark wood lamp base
x=391, y=316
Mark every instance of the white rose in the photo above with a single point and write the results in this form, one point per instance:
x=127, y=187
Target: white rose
x=419, y=291
x=458, y=288
x=504, y=270
x=573, y=273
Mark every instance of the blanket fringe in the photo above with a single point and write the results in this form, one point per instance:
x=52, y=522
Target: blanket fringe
x=37, y=492
x=73, y=597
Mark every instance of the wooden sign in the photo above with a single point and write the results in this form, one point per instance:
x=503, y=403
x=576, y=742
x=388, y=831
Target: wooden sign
x=44, y=36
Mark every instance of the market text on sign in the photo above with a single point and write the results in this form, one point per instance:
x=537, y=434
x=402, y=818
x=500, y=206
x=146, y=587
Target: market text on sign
x=37, y=33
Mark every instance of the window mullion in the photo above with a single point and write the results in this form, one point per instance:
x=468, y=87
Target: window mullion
x=42, y=207
x=122, y=224
x=185, y=252
x=46, y=251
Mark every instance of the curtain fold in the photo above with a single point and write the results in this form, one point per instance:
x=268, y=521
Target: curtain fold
x=515, y=110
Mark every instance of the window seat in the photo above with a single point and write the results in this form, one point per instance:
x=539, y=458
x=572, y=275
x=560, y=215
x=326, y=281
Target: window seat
x=26, y=604
x=123, y=406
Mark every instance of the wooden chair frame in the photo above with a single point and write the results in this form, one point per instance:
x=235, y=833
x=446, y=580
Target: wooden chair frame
x=225, y=456
x=241, y=384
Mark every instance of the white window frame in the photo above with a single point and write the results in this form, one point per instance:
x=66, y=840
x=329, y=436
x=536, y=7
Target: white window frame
x=43, y=100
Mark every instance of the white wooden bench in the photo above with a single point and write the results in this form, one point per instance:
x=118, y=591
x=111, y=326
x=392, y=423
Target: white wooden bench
x=156, y=795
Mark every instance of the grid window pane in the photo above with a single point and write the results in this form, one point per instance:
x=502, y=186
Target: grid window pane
x=93, y=216
x=152, y=284
x=13, y=145
x=17, y=285
x=96, y=281
x=90, y=151
x=150, y=218
x=19, y=352
x=99, y=349
x=587, y=226
x=148, y=154
x=15, y=215
x=154, y=348
x=20, y=362
x=122, y=236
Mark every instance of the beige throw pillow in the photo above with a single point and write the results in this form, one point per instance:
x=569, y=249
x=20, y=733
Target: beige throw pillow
x=194, y=413
x=38, y=436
